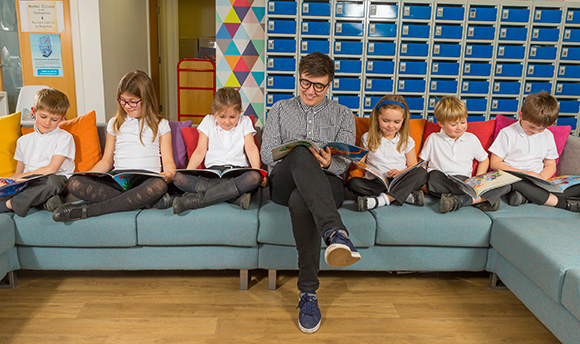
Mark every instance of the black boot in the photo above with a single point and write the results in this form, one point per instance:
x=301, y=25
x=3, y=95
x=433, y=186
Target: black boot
x=221, y=192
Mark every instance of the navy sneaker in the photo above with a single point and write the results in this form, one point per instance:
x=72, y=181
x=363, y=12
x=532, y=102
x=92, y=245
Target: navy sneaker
x=309, y=316
x=340, y=250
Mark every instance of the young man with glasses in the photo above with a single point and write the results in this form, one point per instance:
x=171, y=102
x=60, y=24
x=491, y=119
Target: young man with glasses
x=309, y=182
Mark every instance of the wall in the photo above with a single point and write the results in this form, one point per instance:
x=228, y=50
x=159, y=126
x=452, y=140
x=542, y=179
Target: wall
x=196, y=18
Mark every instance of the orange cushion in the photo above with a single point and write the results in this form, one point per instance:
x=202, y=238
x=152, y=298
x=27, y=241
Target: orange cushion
x=10, y=133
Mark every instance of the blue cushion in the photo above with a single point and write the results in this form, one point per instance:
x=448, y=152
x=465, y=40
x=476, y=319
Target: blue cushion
x=219, y=224
x=529, y=210
x=571, y=292
x=110, y=230
x=7, y=237
x=542, y=248
x=425, y=226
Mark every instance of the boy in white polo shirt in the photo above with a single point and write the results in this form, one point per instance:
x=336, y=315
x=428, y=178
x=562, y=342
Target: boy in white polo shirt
x=47, y=150
x=526, y=146
x=452, y=151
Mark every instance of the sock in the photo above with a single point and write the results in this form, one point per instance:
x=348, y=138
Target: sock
x=410, y=198
x=4, y=208
x=562, y=204
x=378, y=201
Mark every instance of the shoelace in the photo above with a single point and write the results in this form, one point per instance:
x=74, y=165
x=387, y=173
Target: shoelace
x=306, y=304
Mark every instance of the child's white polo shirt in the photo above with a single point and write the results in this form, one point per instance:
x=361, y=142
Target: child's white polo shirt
x=523, y=151
x=452, y=156
x=387, y=157
x=226, y=147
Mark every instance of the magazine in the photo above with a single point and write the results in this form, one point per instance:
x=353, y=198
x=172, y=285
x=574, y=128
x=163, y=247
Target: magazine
x=475, y=186
x=10, y=186
x=125, y=178
x=388, y=184
x=554, y=185
x=215, y=173
x=345, y=150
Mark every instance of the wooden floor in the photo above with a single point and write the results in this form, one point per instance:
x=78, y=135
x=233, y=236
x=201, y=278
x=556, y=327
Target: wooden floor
x=208, y=307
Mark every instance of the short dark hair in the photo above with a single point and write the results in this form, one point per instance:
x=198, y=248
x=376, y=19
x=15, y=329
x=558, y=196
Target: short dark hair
x=317, y=64
x=540, y=109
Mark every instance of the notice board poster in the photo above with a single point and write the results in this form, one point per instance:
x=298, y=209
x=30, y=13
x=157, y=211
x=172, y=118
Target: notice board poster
x=46, y=54
x=41, y=16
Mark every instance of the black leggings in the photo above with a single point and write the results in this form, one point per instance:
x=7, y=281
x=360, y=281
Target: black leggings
x=412, y=181
x=246, y=182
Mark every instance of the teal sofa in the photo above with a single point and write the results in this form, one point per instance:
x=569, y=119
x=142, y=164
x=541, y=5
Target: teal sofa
x=533, y=250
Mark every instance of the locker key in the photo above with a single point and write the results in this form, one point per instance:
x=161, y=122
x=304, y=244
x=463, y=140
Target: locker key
x=405, y=30
x=496, y=87
x=401, y=84
x=339, y=27
x=562, y=70
x=564, y=52
x=570, y=16
x=433, y=85
x=369, y=84
x=498, y=69
x=494, y=104
x=567, y=34
x=270, y=44
x=304, y=46
x=270, y=63
x=372, y=28
x=371, y=47
x=436, y=49
x=373, y=10
x=338, y=46
x=465, y=86
x=406, y=11
x=404, y=48
x=403, y=67
x=470, y=32
x=271, y=6
x=305, y=7
x=468, y=50
x=437, y=30
x=559, y=88
x=270, y=25
x=432, y=102
x=439, y=12
x=538, y=15
x=505, y=14
x=336, y=83
x=435, y=67
x=472, y=13
x=337, y=65
x=536, y=33
x=270, y=81
x=367, y=102
x=467, y=68
x=501, y=51
x=305, y=27
x=370, y=65
x=503, y=33
x=270, y=99
x=531, y=70
x=528, y=87
x=533, y=51
x=338, y=8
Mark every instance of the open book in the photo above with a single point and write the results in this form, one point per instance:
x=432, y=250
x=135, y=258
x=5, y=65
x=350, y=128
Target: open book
x=215, y=173
x=345, y=150
x=11, y=186
x=553, y=185
x=475, y=186
x=125, y=178
x=388, y=184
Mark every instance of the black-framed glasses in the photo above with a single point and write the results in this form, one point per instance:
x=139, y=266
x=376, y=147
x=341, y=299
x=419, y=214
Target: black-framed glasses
x=318, y=86
x=132, y=103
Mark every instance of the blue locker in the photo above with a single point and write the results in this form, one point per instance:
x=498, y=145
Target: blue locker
x=319, y=9
x=445, y=68
x=449, y=12
x=347, y=66
x=383, y=11
x=567, y=89
x=447, y=50
x=475, y=86
x=380, y=67
x=570, y=53
x=415, y=103
x=282, y=82
x=517, y=15
x=482, y=14
x=506, y=87
x=353, y=10
x=475, y=118
x=272, y=98
x=411, y=85
x=382, y=30
x=477, y=69
x=540, y=70
x=315, y=28
x=547, y=15
x=481, y=32
x=350, y=102
x=348, y=29
x=282, y=7
x=417, y=12
x=509, y=69
x=346, y=84
x=545, y=34
x=381, y=49
x=504, y=105
x=569, y=71
x=281, y=64
x=443, y=86
x=415, y=31
x=380, y=85
x=309, y=46
x=571, y=121
x=513, y=33
x=448, y=31
x=475, y=104
x=479, y=51
x=370, y=102
x=542, y=53
x=571, y=35
x=282, y=26
x=348, y=48
x=414, y=49
x=569, y=106
x=281, y=46
x=416, y=116
x=413, y=67
x=573, y=16
x=537, y=86
x=511, y=52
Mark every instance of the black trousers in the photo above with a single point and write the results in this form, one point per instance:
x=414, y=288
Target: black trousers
x=439, y=184
x=36, y=193
x=536, y=194
x=312, y=197
x=412, y=181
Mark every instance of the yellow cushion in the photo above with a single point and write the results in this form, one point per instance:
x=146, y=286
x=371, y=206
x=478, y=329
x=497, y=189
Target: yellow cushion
x=9, y=132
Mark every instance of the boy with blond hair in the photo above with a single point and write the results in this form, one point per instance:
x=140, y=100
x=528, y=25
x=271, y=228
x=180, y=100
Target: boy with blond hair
x=452, y=151
x=526, y=146
x=48, y=151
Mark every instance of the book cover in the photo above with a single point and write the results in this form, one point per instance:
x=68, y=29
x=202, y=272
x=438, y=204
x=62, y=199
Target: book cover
x=125, y=178
x=346, y=150
x=477, y=185
x=388, y=184
x=215, y=173
x=10, y=186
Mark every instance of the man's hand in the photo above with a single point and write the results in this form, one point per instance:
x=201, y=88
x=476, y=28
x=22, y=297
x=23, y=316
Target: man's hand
x=324, y=157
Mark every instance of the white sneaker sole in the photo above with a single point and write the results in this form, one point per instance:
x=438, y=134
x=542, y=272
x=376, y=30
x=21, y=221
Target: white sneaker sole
x=309, y=330
x=340, y=255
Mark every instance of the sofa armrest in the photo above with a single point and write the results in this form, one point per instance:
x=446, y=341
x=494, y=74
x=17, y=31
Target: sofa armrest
x=569, y=163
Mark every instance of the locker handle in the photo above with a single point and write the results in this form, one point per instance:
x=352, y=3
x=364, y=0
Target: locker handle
x=562, y=70
x=305, y=7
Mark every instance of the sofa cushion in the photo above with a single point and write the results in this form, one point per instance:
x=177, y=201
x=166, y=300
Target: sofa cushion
x=110, y=230
x=7, y=237
x=179, y=150
x=571, y=292
x=544, y=249
x=276, y=227
x=569, y=163
x=10, y=133
x=425, y=226
x=529, y=210
x=222, y=224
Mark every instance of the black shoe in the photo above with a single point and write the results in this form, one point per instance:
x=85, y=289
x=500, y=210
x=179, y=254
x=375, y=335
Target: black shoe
x=163, y=203
x=486, y=206
x=449, y=202
x=416, y=198
x=515, y=198
x=52, y=203
x=363, y=204
x=63, y=213
x=573, y=205
x=189, y=200
x=244, y=201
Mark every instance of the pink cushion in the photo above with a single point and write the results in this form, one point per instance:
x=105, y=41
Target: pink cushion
x=190, y=138
x=179, y=149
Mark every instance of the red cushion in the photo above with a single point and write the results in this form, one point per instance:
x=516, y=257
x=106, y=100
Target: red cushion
x=191, y=138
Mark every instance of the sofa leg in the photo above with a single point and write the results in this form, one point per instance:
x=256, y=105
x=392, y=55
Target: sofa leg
x=495, y=283
x=272, y=280
x=9, y=282
x=244, y=279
